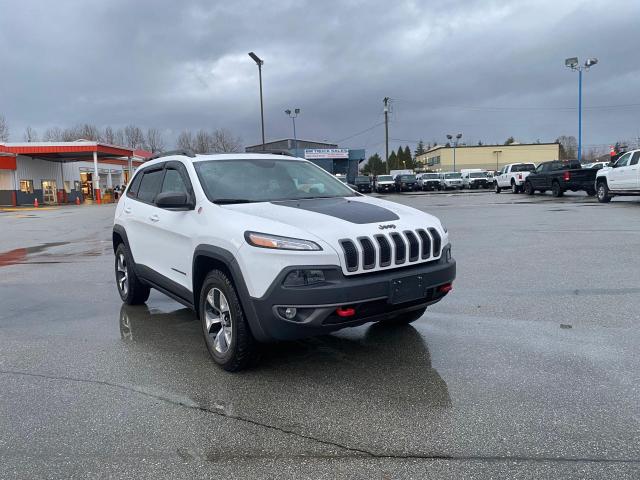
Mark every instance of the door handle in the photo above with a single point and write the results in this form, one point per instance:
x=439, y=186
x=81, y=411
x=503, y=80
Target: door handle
x=127, y=210
x=154, y=218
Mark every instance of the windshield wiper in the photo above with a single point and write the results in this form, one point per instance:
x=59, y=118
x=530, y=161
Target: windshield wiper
x=225, y=201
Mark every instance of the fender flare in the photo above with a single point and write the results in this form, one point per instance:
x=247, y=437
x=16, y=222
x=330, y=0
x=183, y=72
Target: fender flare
x=227, y=258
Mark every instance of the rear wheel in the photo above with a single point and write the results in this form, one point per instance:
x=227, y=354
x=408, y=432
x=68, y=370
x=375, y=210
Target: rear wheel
x=591, y=192
x=556, y=190
x=225, y=328
x=404, y=318
x=603, y=192
x=514, y=187
x=496, y=188
x=528, y=188
x=132, y=291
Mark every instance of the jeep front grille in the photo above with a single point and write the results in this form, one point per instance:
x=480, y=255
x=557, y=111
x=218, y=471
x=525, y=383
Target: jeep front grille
x=388, y=250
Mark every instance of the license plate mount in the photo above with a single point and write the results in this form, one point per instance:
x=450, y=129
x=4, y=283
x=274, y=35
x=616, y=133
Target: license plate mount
x=407, y=289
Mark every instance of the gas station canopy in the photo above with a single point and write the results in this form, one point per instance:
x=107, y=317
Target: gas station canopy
x=66, y=151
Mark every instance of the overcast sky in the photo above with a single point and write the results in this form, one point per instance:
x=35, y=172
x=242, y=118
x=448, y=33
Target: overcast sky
x=487, y=69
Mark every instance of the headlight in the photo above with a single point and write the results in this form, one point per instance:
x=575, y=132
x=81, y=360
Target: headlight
x=264, y=240
x=444, y=228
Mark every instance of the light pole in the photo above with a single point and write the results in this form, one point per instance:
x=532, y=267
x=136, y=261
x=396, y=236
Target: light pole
x=497, y=152
x=455, y=144
x=574, y=64
x=259, y=62
x=293, y=115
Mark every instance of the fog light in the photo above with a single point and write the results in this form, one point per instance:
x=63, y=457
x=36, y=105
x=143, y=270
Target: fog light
x=290, y=313
x=300, y=278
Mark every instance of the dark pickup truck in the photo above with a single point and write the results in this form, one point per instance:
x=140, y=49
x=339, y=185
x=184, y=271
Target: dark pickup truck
x=560, y=176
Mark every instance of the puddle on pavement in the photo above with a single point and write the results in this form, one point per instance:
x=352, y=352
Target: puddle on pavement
x=39, y=254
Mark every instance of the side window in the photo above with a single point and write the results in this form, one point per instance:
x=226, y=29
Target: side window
x=623, y=161
x=132, y=192
x=150, y=185
x=635, y=158
x=173, y=182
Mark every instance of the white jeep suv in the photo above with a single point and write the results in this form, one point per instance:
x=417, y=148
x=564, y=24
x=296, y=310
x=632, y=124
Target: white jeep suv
x=268, y=247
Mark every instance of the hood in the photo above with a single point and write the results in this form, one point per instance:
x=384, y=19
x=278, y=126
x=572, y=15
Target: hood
x=330, y=219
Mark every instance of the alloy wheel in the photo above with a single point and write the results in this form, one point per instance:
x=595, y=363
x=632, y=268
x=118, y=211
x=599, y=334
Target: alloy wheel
x=122, y=274
x=218, y=320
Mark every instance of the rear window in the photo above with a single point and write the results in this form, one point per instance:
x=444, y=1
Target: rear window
x=525, y=167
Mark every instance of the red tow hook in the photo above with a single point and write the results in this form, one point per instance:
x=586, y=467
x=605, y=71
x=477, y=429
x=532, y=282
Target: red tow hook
x=345, y=311
x=446, y=288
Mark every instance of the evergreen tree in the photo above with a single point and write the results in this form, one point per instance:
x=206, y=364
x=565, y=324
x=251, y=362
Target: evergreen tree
x=375, y=166
x=409, y=161
x=393, y=161
x=419, y=149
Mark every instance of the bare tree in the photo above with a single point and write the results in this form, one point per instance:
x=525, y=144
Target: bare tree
x=89, y=132
x=30, y=135
x=108, y=136
x=133, y=136
x=155, y=142
x=186, y=140
x=225, y=141
x=568, y=147
x=71, y=134
x=4, y=129
x=52, y=134
x=118, y=137
x=203, y=142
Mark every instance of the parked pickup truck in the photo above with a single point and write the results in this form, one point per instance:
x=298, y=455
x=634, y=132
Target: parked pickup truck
x=559, y=176
x=512, y=176
x=621, y=177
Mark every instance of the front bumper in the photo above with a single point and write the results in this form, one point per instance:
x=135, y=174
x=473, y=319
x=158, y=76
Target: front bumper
x=374, y=296
x=387, y=187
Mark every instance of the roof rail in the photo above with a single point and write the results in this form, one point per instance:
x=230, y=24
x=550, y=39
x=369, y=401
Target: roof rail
x=182, y=151
x=276, y=152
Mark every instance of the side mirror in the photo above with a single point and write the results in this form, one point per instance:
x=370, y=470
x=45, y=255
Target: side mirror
x=611, y=164
x=173, y=200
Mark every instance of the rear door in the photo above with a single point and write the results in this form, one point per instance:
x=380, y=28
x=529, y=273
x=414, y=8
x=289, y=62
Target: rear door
x=172, y=244
x=536, y=178
x=142, y=217
x=631, y=180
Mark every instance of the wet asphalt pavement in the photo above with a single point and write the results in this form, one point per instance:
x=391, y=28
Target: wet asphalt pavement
x=528, y=369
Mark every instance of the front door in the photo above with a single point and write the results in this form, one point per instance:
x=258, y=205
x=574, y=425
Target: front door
x=630, y=176
x=49, y=192
x=619, y=175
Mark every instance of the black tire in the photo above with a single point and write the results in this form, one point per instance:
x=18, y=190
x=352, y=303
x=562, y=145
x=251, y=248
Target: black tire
x=591, y=192
x=238, y=349
x=603, y=192
x=514, y=187
x=404, y=318
x=556, y=190
x=132, y=291
x=528, y=188
x=496, y=188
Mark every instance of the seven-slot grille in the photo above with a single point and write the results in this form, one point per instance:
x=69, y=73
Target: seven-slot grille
x=393, y=249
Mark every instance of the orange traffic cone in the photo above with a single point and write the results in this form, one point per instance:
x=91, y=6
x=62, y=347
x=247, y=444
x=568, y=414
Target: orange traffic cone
x=77, y=200
x=35, y=203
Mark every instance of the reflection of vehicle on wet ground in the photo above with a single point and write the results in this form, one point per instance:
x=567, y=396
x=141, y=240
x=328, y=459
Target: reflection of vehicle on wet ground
x=450, y=181
x=362, y=184
x=428, y=181
x=513, y=176
x=621, y=178
x=385, y=183
x=236, y=238
x=560, y=176
x=375, y=363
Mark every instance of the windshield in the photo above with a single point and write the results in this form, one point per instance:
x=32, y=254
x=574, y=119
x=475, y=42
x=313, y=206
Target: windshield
x=452, y=175
x=385, y=178
x=407, y=178
x=478, y=175
x=525, y=167
x=362, y=180
x=241, y=181
x=430, y=176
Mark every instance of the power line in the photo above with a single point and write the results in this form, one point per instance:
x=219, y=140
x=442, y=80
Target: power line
x=360, y=133
x=510, y=108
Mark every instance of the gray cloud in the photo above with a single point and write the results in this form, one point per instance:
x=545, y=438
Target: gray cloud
x=489, y=69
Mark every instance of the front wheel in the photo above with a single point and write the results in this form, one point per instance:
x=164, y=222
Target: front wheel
x=603, y=193
x=225, y=328
x=132, y=291
x=404, y=318
x=496, y=188
x=528, y=188
x=591, y=192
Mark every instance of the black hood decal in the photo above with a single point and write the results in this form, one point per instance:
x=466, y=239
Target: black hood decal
x=344, y=209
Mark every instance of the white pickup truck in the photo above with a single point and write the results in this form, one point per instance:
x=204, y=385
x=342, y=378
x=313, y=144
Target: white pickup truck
x=512, y=176
x=621, y=178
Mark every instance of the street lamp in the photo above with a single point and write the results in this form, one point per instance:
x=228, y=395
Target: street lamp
x=497, y=152
x=455, y=144
x=293, y=115
x=259, y=62
x=574, y=64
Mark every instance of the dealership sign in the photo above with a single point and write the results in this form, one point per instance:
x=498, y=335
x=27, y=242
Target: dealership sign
x=314, y=153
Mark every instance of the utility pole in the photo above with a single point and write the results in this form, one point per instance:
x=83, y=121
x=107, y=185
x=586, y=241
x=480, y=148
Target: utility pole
x=386, y=131
x=259, y=62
